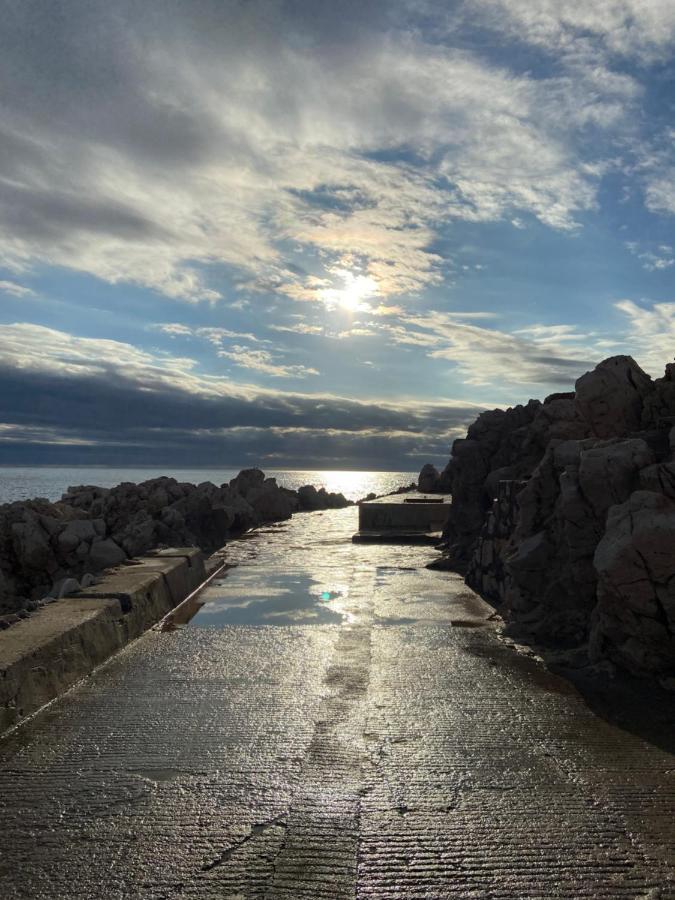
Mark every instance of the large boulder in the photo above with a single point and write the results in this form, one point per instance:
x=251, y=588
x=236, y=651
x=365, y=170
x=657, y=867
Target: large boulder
x=270, y=503
x=634, y=622
x=104, y=554
x=501, y=445
x=429, y=479
x=659, y=406
x=246, y=480
x=309, y=499
x=562, y=512
x=612, y=397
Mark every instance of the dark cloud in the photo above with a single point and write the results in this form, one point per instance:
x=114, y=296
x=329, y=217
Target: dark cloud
x=107, y=419
x=41, y=213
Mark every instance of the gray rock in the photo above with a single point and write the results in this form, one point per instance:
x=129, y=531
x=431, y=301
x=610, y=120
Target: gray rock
x=246, y=480
x=634, y=621
x=65, y=586
x=429, y=478
x=31, y=545
x=611, y=398
x=105, y=554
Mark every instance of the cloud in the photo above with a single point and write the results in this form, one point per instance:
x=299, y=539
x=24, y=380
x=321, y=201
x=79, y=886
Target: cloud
x=651, y=333
x=264, y=362
x=16, y=290
x=659, y=258
x=242, y=130
x=299, y=328
x=101, y=401
x=214, y=336
x=175, y=329
x=537, y=355
x=660, y=184
x=634, y=28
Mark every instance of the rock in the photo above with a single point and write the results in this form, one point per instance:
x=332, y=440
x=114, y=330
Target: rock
x=611, y=398
x=308, y=497
x=443, y=563
x=634, y=621
x=659, y=406
x=271, y=504
x=94, y=528
x=562, y=514
x=659, y=479
x=31, y=545
x=65, y=586
x=246, y=480
x=608, y=472
x=429, y=479
x=105, y=554
x=76, y=531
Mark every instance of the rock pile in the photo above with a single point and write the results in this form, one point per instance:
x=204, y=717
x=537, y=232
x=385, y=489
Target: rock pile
x=564, y=514
x=93, y=528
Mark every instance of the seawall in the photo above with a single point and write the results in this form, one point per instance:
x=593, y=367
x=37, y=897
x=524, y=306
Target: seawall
x=44, y=655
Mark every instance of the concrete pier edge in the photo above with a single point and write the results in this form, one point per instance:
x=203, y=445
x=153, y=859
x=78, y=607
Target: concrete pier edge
x=43, y=656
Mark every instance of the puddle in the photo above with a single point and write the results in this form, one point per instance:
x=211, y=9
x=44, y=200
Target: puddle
x=242, y=599
x=307, y=571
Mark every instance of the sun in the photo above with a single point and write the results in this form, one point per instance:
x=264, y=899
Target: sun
x=355, y=293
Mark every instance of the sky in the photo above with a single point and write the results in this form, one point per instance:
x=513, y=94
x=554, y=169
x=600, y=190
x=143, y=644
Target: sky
x=323, y=234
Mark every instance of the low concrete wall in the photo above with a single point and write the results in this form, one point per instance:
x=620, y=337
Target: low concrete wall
x=402, y=513
x=41, y=657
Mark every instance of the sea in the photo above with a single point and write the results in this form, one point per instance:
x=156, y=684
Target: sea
x=51, y=482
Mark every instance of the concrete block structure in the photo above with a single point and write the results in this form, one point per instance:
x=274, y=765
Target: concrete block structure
x=399, y=517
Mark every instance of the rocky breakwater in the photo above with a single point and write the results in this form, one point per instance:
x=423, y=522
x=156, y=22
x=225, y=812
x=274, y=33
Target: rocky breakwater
x=563, y=515
x=43, y=544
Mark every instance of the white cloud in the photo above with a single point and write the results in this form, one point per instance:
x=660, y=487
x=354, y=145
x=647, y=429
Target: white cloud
x=38, y=350
x=634, y=28
x=175, y=329
x=299, y=328
x=651, y=335
x=214, y=336
x=231, y=154
x=659, y=258
x=660, y=185
x=264, y=362
x=540, y=354
x=16, y=290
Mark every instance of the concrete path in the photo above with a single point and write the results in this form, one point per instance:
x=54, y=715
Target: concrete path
x=336, y=722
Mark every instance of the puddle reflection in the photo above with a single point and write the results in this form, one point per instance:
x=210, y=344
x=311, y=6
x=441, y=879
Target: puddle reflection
x=276, y=599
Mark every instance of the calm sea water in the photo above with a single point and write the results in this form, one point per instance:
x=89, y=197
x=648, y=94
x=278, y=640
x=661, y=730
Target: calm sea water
x=19, y=483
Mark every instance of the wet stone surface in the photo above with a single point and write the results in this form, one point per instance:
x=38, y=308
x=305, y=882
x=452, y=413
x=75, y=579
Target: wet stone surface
x=321, y=728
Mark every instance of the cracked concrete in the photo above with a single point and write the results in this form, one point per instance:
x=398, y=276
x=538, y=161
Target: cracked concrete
x=336, y=722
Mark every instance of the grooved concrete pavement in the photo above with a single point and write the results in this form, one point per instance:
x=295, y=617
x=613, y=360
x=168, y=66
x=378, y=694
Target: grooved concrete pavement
x=336, y=722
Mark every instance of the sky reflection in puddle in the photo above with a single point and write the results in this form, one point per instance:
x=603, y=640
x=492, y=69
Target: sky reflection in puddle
x=294, y=599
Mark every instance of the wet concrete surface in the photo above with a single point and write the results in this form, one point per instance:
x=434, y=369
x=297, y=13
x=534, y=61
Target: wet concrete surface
x=321, y=728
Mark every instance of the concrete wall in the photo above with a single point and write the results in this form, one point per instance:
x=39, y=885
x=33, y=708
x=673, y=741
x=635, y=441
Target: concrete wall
x=41, y=657
x=402, y=516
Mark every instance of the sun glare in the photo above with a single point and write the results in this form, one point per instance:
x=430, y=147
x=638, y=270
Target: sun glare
x=355, y=293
